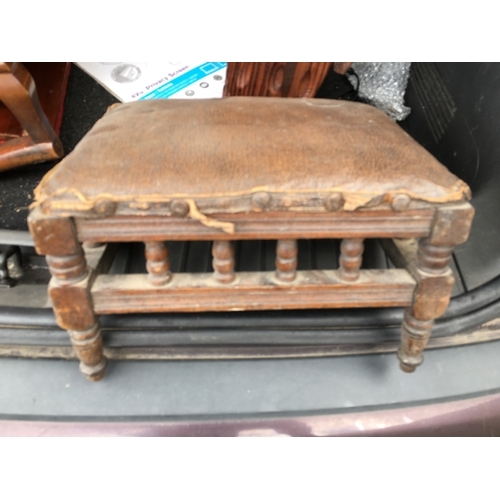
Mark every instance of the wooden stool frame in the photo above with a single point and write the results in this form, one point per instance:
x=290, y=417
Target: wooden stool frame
x=81, y=290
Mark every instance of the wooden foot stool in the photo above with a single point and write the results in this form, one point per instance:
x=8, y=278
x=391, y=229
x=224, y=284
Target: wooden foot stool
x=242, y=168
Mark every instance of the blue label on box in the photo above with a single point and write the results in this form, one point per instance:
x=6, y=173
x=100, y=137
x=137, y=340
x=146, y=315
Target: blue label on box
x=183, y=81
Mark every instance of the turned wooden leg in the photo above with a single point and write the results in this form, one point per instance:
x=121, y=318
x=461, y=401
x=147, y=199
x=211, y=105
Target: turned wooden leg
x=414, y=338
x=157, y=262
x=434, y=279
x=351, y=257
x=434, y=285
x=69, y=291
x=69, y=288
x=223, y=261
x=88, y=347
x=286, y=259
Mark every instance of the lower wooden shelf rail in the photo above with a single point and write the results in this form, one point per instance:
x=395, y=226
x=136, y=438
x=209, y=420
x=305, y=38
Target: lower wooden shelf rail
x=251, y=291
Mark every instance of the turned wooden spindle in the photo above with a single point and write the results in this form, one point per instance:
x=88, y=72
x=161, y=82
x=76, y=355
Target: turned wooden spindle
x=157, y=262
x=286, y=259
x=351, y=257
x=223, y=261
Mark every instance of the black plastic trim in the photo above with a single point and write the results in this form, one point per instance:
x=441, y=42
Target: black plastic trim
x=466, y=312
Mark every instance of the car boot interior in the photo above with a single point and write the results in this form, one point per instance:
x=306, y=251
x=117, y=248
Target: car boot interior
x=453, y=115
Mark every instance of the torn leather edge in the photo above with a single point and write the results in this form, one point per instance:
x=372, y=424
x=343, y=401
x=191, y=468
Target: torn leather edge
x=194, y=213
x=459, y=191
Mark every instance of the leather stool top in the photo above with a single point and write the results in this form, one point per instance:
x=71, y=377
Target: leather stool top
x=239, y=154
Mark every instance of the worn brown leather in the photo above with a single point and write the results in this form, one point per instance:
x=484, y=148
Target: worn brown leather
x=218, y=153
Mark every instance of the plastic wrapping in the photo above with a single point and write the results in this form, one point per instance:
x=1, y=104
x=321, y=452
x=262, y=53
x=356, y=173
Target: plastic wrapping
x=383, y=84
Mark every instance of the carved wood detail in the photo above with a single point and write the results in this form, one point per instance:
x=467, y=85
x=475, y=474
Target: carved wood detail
x=431, y=298
x=351, y=257
x=67, y=269
x=433, y=259
x=74, y=311
x=264, y=225
x=157, y=263
x=223, y=261
x=426, y=291
x=88, y=347
x=69, y=288
x=276, y=79
x=415, y=335
x=286, y=259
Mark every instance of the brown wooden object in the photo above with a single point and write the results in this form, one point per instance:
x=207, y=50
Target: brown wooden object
x=69, y=291
x=157, y=262
x=286, y=259
x=29, y=137
x=51, y=80
x=351, y=251
x=241, y=168
x=223, y=261
x=275, y=79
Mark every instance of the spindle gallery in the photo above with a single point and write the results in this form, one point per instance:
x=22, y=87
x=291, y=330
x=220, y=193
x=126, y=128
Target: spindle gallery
x=248, y=168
